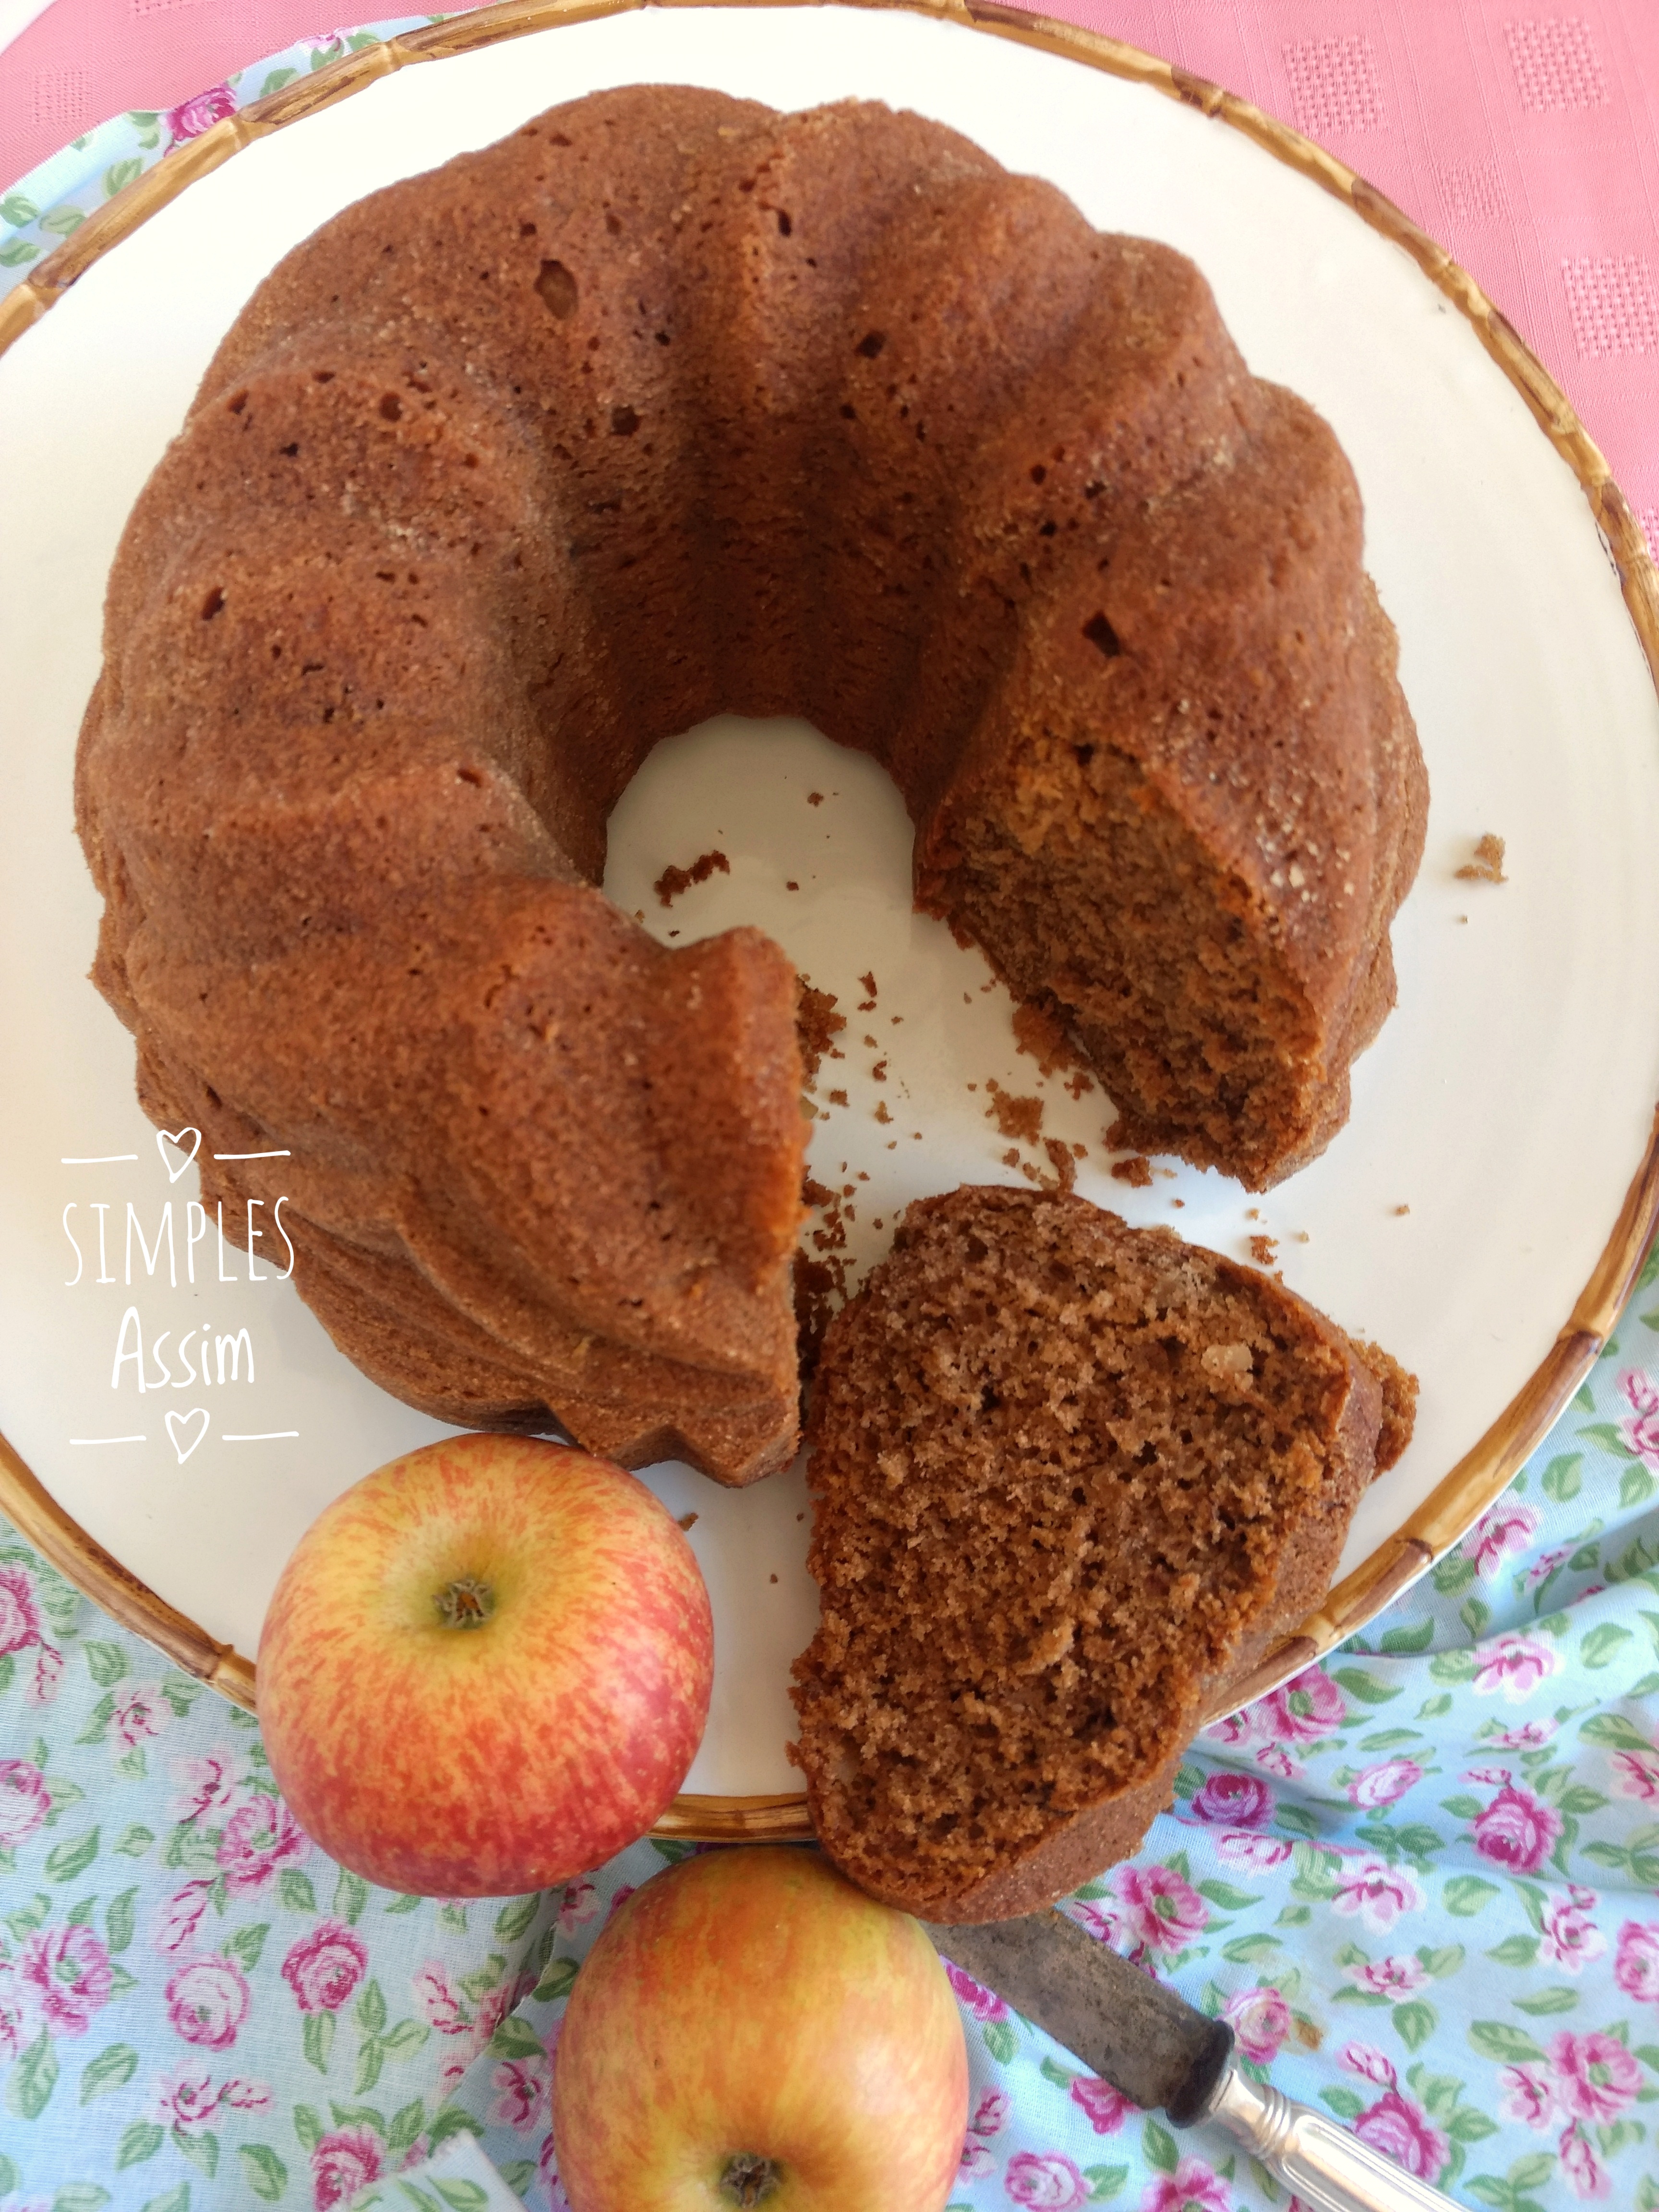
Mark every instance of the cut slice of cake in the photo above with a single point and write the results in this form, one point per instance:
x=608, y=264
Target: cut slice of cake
x=1068, y=1478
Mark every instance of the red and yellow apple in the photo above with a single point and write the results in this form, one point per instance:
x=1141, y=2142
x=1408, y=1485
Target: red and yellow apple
x=486, y=1669
x=751, y=2030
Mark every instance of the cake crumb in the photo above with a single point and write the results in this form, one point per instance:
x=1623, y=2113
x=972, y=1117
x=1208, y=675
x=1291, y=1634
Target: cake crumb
x=1064, y=1167
x=882, y=1114
x=1136, y=1169
x=868, y=979
x=1253, y=1213
x=815, y=1022
x=1487, y=865
x=1043, y=1037
x=1178, y=1201
x=771, y=1579
x=1079, y=1151
x=1460, y=917
x=1402, y=1209
x=1014, y=1117
x=673, y=881
x=789, y=886
x=1080, y=1083
x=1302, y=1238
x=878, y=1072
x=815, y=799
x=687, y=1520
x=837, y=1097
x=895, y=1019
x=1263, y=1250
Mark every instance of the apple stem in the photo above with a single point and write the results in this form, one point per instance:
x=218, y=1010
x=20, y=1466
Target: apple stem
x=465, y=1603
x=748, y=2179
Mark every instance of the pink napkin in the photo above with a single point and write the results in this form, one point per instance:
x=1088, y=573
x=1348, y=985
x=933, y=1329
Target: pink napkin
x=1525, y=140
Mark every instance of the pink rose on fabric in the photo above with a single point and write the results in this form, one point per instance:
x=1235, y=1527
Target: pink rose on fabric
x=208, y=2000
x=20, y=1618
x=14, y=2002
x=1530, y=1736
x=1378, y=1892
x=208, y=1785
x=984, y=2004
x=1233, y=1801
x=1385, y=1783
x=1163, y=1912
x=1636, y=1963
x=187, y=2103
x=976, y=2163
x=197, y=114
x=139, y=1712
x=1047, y=2178
x=1193, y=2187
x=181, y=1917
x=1514, y=1664
x=1636, y=1774
x=260, y=1838
x=1516, y=1830
x=1528, y=2096
x=67, y=1973
x=619, y=1898
x=1546, y=1565
x=1488, y=1777
x=1569, y=1937
x=1278, y=1761
x=25, y=1801
x=1306, y=1709
x=1389, y=1977
x=1404, y=2132
x=522, y=2086
x=342, y=2164
x=1234, y=1727
x=579, y=1904
x=1102, y=1926
x=1105, y=2107
x=43, y=1683
x=444, y=2011
x=1510, y=1527
x=990, y=2114
x=1584, y=2176
x=1260, y=2019
x=1256, y=1852
x=1596, y=2077
x=1369, y=2063
x=1641, y=1423
x=322, y=1968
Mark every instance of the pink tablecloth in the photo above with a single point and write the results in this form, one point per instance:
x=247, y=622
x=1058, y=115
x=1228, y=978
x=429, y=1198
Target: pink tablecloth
x=1525, y=139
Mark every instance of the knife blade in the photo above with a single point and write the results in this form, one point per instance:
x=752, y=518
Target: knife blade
x=1163, y=2053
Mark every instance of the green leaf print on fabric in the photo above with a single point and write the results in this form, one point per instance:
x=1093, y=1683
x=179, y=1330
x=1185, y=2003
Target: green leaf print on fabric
x=262, y=2171
x=32, y=2079
x=138, y=2142
x=112, y=2068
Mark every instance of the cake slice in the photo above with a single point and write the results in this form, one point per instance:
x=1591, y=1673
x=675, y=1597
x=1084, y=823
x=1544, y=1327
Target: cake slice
x=1069, y=1477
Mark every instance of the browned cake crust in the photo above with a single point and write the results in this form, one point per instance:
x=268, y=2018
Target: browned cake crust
x=668, y=404
x=1068, y=1478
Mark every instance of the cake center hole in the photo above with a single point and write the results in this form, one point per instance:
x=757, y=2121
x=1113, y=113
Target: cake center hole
x=466, y=1602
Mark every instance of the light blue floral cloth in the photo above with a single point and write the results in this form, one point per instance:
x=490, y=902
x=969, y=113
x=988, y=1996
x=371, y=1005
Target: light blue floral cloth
x=1419, y=1881
x=41, y=209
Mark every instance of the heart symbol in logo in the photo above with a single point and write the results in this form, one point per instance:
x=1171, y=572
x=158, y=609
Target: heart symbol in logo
x=176, y=1138
x=179, y=1425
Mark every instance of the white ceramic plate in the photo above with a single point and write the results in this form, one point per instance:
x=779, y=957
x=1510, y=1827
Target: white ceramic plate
x=1507, y=1103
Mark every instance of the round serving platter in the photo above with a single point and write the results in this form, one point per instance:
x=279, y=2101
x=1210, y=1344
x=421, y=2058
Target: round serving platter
x=1483, y=1213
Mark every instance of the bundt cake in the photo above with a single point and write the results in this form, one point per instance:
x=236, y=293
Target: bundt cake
x=1068, y=1478
x=665, y=405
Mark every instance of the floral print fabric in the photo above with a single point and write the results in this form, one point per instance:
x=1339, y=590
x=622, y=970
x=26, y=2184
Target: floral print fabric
x=1419, y=1881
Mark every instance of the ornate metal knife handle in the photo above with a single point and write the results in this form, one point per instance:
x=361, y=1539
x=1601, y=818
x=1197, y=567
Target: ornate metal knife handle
x=1330, y=2169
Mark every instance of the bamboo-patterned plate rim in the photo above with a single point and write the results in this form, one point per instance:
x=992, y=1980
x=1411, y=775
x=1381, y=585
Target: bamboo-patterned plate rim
x=1483, y=1473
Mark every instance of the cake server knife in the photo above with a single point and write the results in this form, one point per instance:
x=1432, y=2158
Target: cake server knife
x=1156, y=2049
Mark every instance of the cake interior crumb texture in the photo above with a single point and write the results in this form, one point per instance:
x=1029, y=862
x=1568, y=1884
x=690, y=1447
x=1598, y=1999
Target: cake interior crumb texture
x=1067, y=1478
